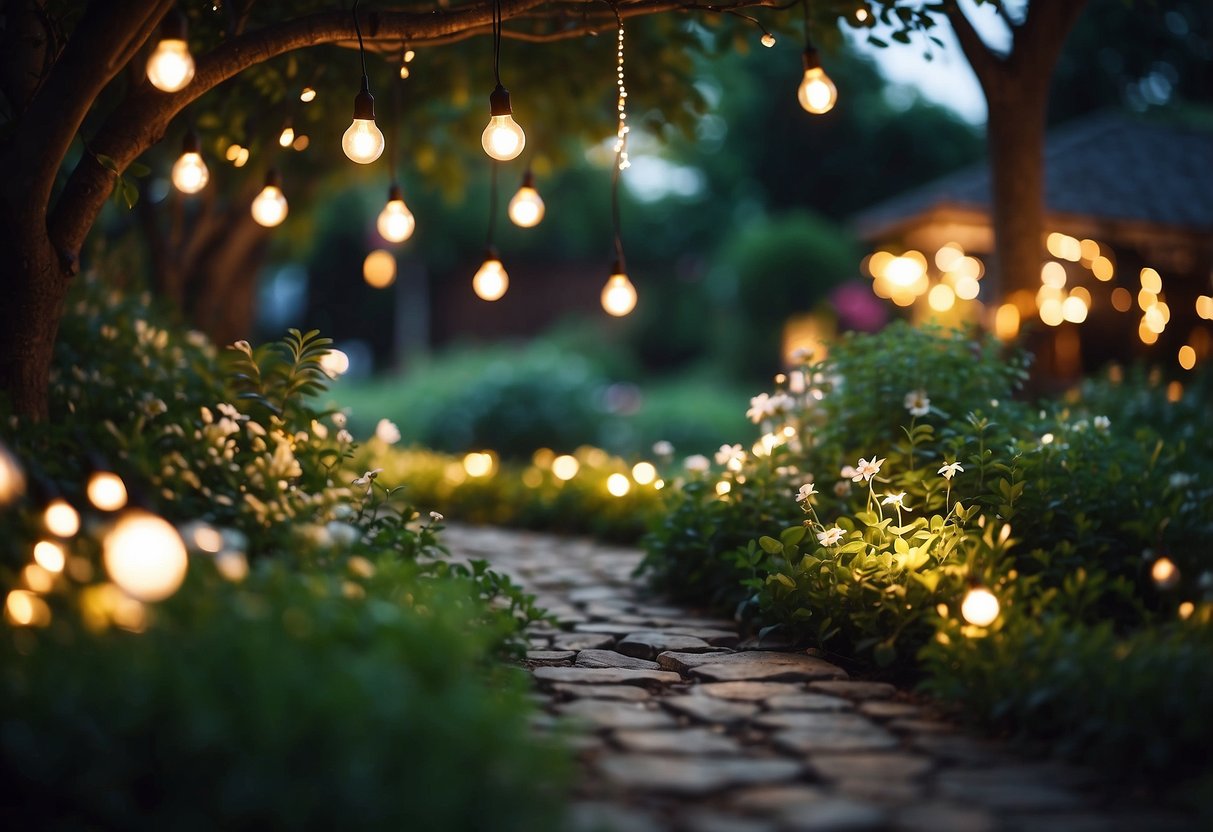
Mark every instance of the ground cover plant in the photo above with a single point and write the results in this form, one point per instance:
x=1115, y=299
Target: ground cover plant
x=902, y=505
x=262, y=634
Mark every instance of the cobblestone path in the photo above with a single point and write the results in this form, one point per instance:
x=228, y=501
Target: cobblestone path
x=680, y=727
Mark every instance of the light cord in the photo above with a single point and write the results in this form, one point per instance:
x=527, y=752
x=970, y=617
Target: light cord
x=497, y=41
x=361, y=49
x=808, y=42
x=621, y=140
x=492, y=203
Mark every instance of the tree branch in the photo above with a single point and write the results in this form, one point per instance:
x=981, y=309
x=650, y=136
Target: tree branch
x=987, y=64
x=141, y=120
x=90, y=60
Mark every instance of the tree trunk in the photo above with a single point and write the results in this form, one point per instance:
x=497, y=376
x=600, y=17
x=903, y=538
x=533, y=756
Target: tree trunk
x=1015, y=134
x=32, y=289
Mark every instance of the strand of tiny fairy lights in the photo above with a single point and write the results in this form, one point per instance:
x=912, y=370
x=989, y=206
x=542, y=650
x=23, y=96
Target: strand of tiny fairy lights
x=621, y=135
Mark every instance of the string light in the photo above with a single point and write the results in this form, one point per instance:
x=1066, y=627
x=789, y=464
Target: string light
x=106, y=491
x=502, y=139
x=363, y=140
x=171, y=67
x=270, y=208
x=526, y=207
x=145, y=556
x=396, y=222
x=61, y=519
x=619, y=295
x=287, y=137
x=491, y=280
x=817, y=92
x=190, y=173
x=307, y=95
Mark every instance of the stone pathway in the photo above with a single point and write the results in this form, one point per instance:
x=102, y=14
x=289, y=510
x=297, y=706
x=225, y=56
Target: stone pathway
x=682, y=728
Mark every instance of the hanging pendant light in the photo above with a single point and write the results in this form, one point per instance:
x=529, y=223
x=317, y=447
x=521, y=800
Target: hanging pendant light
x=502, y=139
x=526, y=208
x=269, y=208
x=619, y=295
x=171, y=66
x=817, y=93
x=362, y=140
x=190, y=173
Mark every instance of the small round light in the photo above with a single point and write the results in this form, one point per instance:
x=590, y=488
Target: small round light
x=379, y=269
x=526, y=208
x=979, y=607
x=270, y=208
x=478, y=464
x=565, y=467
x=644, y=473
x=503, y=139
x=170, y=67
x=145, y=556
x=363, y=141
x=334, y=363
x=61, y=519
x=307, y=95
x=395, y=223
x=618, y=295
x=618, y=485
x=106, y=491
x=49, y=556
x=25, y=609
x=1165, y=573
x=491, y=280
x=723, y=487
x=190, y=173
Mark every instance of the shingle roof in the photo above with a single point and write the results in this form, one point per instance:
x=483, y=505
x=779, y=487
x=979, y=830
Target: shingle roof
x=1110, y=166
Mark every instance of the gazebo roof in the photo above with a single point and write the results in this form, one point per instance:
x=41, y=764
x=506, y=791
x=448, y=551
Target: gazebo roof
x=1108, y=167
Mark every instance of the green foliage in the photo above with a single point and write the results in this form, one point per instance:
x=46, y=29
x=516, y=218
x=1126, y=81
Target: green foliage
x=323, y=663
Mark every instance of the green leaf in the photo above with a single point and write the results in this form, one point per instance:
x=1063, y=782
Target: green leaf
x=770, y=545
x=793, y=535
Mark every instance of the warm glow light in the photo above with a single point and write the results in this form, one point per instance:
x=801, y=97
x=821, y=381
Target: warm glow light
x=1102, y=268
x=269, y=208
x=1006, y=322
x=1051, y=311
x=190, y=173
x=967, y=267
x=49, y=556
x=145, y=556
x=817, y=93
x=106, y=491
x=61, y=519
x=25, y=609
x=1147, y=335
x=1155, y=319
x=1165, y=573
x=526, y=208
x=565, y=467
x=1151, y=281
x=948, y=255
x=723, y=487
x=301, y=143
x=12, y=478
x=618, y=485
x=363, y=141
x=307, y=95
x=287, y=137
x=37, y=578
x=644, y=473
x=941, y=297
x=878, y=262
x=334, y=363
x=979, y=607
x=478, y=464
x=1074, y=310
x=618, y=295
x=206, y=538
x=1204, y=307
x=1053, y=275
x=503, y=139
x=395, y=223
x=967, y=287
x=1088, y=249
x=1187, y=357
x=491, y=280
x=1064, y=247
x=1186, y=609
x=170, y=66
x=903, y=271
x=379, y=269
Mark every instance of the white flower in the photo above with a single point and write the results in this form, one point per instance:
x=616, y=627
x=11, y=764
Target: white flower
x=319, y=430
x=806, y=491
x=760, y=408
x=848, y=472
x=1102, y=422
x=386, y=431
x=255, y=428
x=896, y=500
x=663, y=448
x=231, y=412
x=696, y=462
x=226, y=426
x=842, y=488
x=950, y=470
x=344, y=437
x=244, y=347
x=731, y=456
x=865, y=470
x=339, y=419
x=830, y=536
x=365, y=479
x=917, y=403
x=207, y=416
x=436, y=517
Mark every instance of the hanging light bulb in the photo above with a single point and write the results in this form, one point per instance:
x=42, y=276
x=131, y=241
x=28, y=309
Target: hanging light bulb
x=287, y=137
x=817, y=92
x=491, y=280
x=618, y=295
x=980, y=607
x=502, y=139
x=170, y=66
x=395, y=221
x=190, y=173
x=526, y=207
x=363, y=140
x=269, y=208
